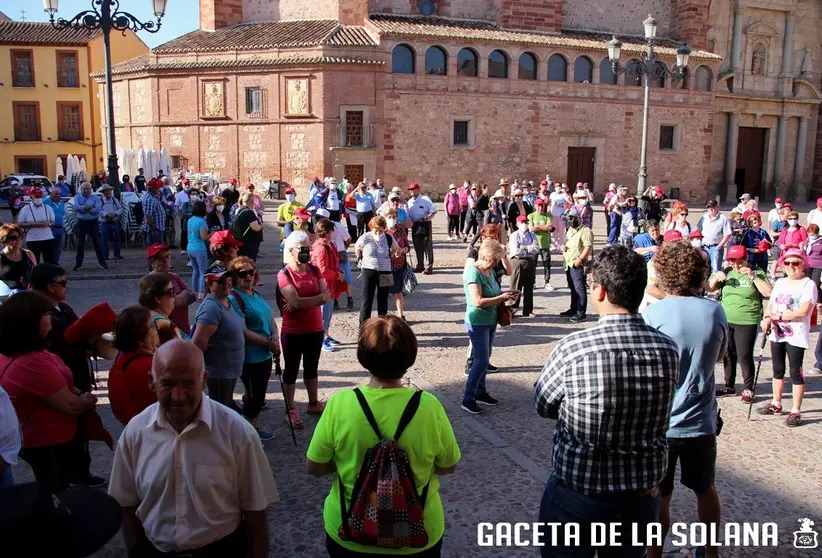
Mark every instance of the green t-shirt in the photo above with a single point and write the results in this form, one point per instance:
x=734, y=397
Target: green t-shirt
x=490, y=288
x=343, y=435
x=741, y=299
x=575, y=243
x=543, y=238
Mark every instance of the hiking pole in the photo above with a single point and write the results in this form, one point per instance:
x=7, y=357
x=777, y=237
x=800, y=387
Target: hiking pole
x=279, y=371
x=758, y=367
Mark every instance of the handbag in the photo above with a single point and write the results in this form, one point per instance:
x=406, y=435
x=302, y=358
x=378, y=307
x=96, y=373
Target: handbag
x=409, y=284
x=386, y=280
x=504, y=315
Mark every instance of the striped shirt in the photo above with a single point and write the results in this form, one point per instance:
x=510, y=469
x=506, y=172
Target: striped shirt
x=610, y=388
x=154, y=207
x=376, y=254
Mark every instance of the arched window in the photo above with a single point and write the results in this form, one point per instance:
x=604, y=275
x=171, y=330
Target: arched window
x=527, y=66
x=497, y=65
x=583, y=70
x=686, y=79
x=467, y=63
x=758, y=60
x=606, y=72
x=631, y=80
x=703, y=79
x=436, y=61
x=557, y=68
x=402, y=60
x=660, y=81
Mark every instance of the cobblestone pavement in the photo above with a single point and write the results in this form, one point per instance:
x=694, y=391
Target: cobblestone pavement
x=765, y=472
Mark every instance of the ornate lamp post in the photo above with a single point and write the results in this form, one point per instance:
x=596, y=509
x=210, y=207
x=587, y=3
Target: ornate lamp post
x=106, y=15
x=647, y=68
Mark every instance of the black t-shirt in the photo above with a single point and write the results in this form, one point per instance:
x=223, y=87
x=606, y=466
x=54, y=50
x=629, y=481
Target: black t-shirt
x=140, y=183
x=242, y=226
x=482, y=203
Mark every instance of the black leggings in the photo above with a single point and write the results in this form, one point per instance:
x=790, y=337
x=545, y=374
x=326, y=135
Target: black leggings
x=463, y=215
x=371, y=283
x=795, y=356
x=222, y=391
x=545, y=254
x=255, y=379
x=362, y=222
x=51, y=465
x=741, y=341
x=44, y=247
x=453, y=225
x=305, y=346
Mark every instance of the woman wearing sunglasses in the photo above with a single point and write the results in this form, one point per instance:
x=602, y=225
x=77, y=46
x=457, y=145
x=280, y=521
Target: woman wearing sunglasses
x=788, y=317
x=219, y=331
x=261, y=338
x=15, y=261
x=156, y=293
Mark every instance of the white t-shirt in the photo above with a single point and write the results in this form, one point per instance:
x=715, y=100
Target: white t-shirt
x=559, y=201
x=773, y=215
x=31, y=214
x=787, y=295
x=333, y=201
x=340, y=236
x=815, y=217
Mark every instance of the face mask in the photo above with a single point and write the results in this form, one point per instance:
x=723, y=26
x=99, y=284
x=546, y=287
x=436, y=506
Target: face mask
x=778, y=205
x=793, y=222
x=37, y=201
x=573, y=222
x=580, y=202
x=453, y=191
x=290, y=197
x=523, y=227
x=220, y=208
x=305, y=255
x=391, y=223
x=195, y=198
x=696, y=243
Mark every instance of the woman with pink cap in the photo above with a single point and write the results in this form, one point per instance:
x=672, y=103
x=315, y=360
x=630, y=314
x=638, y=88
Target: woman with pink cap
x=788, y=318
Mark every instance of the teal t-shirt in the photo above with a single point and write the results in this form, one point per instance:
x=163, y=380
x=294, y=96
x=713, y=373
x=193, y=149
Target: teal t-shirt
x=195, y=243
x=257, y=314
x=741, y=299
x=490, y=288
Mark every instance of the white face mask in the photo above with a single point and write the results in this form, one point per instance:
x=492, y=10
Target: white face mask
x=220, y=208
x=290, y=197
x=195, y=198
x=696, y=243
x=793, y=222
x=391, y=223
x=778, y=205
x=37, y=201
x=523, y=227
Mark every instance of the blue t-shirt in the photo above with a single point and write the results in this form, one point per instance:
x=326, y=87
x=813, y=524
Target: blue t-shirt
x=195, y=243
x=644, y=240
x=700, y=330
x=257, y=314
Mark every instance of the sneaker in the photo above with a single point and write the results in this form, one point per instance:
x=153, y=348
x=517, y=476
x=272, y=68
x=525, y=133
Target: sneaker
x=769, y=409
x=549, y=287
x=331, y=341
x=119, y=258
x=814, y=372
x=567, y=313
x=575, y=319
x=93, y=481
x=471, y=407
x=793, y=419
x=350, y=304
x=184, y=253
x=315, y=408
x=486, y=399
x=264, y=435
x=418, y=269
x=726, y=392
x=293, y=417
x=336, y=305
x=328, y=347
x=747, y=396
x=492, y=368
x=188, y=265
x=103, y=266
x=78, y=267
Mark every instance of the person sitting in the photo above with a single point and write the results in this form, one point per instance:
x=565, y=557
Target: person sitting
x=387, y=348
x=136, y=339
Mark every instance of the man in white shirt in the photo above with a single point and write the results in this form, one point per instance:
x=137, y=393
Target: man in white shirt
x=773, y=214
x=190, y=473
x=37, y=219
x=421, y=211
x=743, y=200
x=716, y=232
x=815, y=215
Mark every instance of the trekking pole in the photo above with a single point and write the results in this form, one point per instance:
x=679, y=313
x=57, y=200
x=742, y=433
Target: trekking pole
x=279, y=371
x=758, y=367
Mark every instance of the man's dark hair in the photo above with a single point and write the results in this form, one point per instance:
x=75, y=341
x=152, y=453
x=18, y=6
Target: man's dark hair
x=622, y=273
x=199, y=209
x=44, y=274
x=651, y=223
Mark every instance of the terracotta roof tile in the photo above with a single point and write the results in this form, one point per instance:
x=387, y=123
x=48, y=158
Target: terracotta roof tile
x=265, y=35
x=445, y=28
x=146, y=63
x=42, y=33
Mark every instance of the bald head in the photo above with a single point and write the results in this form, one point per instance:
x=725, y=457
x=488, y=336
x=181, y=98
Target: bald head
x=178, y=378
x=179, y=355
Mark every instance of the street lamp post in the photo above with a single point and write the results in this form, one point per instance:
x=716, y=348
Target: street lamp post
x=106, y=15
x=648, y=69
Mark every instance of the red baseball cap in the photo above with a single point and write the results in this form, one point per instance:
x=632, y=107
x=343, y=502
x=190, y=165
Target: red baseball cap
x=543, y=183
x=37, y=193
x=302, y=213
x=736, y=252
x=233, y=181
x=155, y=249
x=522, y=219
x=778, y=200
x=414, y=186
x=290, y=190
x=539, y=201
x=249, y=185
x=154, y=184
x=216, y=276
x=659, y=191
x=818, y=201
x=224, y=237
x=696, y=234
x=184, y=181
x=672, y=236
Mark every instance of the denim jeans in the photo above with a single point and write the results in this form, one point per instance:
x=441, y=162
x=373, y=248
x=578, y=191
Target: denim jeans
x=328, y=310
x=199, y=264
x=6, y=477
x=482, y=343
x=578, y=284
x=614, y=226
x=106, y=231
x=561, y=504
x=818, y=353
x=715, y=254
x=59, y=234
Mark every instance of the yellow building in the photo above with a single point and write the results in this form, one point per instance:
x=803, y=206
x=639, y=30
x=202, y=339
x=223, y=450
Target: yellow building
x=48, y=107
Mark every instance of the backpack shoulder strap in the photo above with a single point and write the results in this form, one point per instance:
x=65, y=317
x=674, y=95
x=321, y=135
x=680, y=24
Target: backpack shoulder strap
x=408, y=413
x=368, y=414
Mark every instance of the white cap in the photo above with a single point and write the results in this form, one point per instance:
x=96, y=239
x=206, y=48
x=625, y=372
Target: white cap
x=396, y=190
x=499, y=194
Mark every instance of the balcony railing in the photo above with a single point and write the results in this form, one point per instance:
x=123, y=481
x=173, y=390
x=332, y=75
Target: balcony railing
x=355, y=136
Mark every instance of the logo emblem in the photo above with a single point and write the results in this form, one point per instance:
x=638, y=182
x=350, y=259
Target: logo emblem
x=805, y=537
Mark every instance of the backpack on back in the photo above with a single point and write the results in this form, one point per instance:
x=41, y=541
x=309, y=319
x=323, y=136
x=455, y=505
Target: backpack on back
x=385, y=510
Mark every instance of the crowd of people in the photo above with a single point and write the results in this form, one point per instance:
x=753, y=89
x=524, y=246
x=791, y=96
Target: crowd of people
x=190, y=472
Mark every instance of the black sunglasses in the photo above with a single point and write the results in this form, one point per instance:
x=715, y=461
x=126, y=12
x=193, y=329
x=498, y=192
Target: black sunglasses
x=12, y=238
x=243, y=274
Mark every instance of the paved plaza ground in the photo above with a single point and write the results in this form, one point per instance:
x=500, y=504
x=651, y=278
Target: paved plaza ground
x=765, y=471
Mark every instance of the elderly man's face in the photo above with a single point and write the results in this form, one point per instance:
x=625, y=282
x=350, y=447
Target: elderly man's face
x=107, y=193
x=86, y=190
x=714, y=210
x=653, y=232
x=161, y=263
x=55, y=195
x=178, y=384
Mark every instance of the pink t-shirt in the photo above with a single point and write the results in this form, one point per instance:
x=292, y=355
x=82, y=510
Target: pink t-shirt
x=303, y=320
x=179, y=316
x=792, y=239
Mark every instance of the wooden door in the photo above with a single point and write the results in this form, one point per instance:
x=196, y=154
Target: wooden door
x=354, y=173
x=581, y=166
x=750, y=160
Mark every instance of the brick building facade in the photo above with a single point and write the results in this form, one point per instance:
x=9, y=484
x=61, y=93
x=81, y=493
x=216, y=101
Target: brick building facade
x=481, y=89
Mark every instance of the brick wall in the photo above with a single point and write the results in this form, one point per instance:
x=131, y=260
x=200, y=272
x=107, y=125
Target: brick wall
x=533, y=15
x=621, y=17
x=216, y=14
x=689, y=22
x=816, y=186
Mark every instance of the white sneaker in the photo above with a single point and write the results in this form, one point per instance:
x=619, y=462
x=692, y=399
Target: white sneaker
x=183, y=253
x=814, y=372
x=549, y=287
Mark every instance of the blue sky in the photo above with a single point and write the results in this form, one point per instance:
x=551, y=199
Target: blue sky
x=181, y=17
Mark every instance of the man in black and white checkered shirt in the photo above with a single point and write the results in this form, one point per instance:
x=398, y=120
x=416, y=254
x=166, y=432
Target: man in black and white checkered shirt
x=610, y=388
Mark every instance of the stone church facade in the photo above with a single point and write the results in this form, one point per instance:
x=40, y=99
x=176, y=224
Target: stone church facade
x=440, y=91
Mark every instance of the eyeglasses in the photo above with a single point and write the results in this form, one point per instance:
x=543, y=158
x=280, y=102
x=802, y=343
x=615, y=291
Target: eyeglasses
x=683, y=214
x=244, y=273
x=793, y=263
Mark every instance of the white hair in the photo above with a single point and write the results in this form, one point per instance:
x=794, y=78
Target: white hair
x=84, y=184
x=295, y=239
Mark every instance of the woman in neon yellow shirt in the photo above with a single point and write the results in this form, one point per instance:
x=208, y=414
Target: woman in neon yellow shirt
x=387, y=349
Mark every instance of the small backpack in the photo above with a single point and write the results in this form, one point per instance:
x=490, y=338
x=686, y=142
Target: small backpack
x=385, y=511
x=278, y=295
